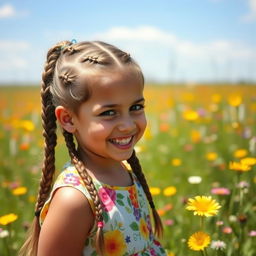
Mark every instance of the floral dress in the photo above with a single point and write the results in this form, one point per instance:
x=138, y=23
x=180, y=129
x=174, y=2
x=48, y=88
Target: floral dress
x=127, y=225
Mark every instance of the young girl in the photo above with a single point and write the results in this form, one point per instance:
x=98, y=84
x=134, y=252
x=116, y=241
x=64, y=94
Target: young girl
x=96, y=206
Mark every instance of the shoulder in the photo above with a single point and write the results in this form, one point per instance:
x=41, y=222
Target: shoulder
x=67, y=224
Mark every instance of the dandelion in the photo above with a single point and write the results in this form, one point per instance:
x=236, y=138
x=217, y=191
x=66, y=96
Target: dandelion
x=154, y=191
x=238, y=166
x=203, y=206
x=194, y=179
x=248, y=161
x=170, y=191
x=211, y=156
x=220, y=191
x=199, y=241
x=176, y=162
x=19, y=191
x=27, y=125
x=218, y=245
x=7, y=219
x=234, y=100
x=240, y=153
x=190, y=115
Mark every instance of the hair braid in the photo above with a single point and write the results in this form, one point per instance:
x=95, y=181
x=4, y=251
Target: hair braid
x=136, y=167
x=90, y=187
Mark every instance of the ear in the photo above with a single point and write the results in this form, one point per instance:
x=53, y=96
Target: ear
x=64, y=117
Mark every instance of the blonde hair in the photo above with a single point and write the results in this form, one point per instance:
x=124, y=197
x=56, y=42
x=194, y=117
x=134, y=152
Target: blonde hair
x=62, y=85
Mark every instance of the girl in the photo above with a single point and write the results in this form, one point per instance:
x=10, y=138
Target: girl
x=96, y=206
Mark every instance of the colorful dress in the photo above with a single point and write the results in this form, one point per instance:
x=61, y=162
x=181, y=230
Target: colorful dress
x=127, y=225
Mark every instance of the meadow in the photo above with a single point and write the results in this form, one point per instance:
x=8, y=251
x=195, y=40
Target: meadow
x=198, y=154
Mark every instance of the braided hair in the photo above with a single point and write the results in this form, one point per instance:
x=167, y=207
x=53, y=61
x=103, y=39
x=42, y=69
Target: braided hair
x=61, y=85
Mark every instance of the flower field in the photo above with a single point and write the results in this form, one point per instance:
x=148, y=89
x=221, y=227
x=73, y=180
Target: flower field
x=198, y=154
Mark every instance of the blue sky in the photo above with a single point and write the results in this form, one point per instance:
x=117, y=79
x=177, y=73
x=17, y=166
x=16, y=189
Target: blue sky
x=175, y=40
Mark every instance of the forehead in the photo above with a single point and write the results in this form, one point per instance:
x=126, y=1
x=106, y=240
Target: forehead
x=117, y=85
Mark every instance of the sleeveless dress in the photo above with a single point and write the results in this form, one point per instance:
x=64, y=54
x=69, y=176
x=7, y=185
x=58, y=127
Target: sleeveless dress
x=127, y=225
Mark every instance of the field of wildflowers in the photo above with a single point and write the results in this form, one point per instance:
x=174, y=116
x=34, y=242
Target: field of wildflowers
x=198, y=153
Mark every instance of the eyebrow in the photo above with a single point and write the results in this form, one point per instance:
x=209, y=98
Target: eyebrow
x=115, y=105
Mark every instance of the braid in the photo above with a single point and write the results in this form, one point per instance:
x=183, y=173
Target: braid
x=136, y=167
x=90, y=187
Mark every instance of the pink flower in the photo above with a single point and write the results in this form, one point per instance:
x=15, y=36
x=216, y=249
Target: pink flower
x=108, y=197
x=252, y=233
x=220, y=191
x=227, y=230
x=168, y=222
x=73, y=179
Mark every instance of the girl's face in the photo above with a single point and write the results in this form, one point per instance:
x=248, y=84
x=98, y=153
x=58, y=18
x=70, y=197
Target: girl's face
x=110, y=123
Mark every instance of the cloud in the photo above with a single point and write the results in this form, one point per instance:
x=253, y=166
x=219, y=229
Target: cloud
x=251, y=16
x=8, y=11
x=164, y=55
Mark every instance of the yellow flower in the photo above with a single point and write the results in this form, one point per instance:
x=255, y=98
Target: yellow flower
x=190, y=115
x=248, y=161
x=235, y=100
x=216, y=98
x=170, y=254
x=195, y=136
x=7, y=219
x=27, y=125
x=154, y=191
x=199, y=241
x=144, y=229
x=114, y=243
x=176, y=162
x=239, y=166
x=211, y=156
x=239, y=153
x=203, y=206
x=170, y=191
x=19, y=191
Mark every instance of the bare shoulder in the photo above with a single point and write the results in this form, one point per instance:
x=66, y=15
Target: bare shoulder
x=67, y=224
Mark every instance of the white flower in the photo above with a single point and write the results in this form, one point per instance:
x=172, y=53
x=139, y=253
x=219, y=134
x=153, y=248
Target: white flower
x=194, y=179
x=4, y=233
x=218, y=245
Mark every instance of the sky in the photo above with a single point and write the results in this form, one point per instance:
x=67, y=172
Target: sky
x=172, y=40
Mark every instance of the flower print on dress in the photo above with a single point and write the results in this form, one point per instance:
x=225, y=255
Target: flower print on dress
x=144, y=229
x=108, y=198
x=133, y=197
x=72, y=179
x=137, y=213
x=153, y=252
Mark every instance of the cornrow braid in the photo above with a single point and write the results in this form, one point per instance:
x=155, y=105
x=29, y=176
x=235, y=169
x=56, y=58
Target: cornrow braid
x=136, y=167
x=90, y=187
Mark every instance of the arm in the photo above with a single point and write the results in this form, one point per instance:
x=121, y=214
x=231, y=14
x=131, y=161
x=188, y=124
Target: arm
x=66, y=225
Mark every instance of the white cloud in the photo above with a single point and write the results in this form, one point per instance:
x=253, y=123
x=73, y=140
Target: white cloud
x=251, y=16
x=163, y=54
x=7, y=11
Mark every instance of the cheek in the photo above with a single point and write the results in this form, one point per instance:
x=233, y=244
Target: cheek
x=98, y=130
x=142, y=123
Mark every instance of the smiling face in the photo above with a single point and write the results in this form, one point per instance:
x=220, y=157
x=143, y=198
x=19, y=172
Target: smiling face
x=112, y=120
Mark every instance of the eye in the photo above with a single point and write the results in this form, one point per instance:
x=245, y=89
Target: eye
x=108, y=113
x=137, y=107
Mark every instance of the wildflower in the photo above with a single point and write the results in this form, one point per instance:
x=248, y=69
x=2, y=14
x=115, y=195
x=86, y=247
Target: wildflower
x=252, y=233
x=170, y=191
x=4, y=233
x=170, y=254
x=24, y=146
x=176, y=162
x=242, y=219
x=219, y=223
x=169, y=222
x=235, y=100
x=198, y=241
x=164, y=127
x=216, y=98
x=154, y=191
x=218, y=245
x=243, y=184
x=190, y=115
x=232, y=218
x=238, y=166
x=195, y=136
x=168, y=207
x=19, y=191
x=240, y=153
x=27, y=125
x=194, y=179
x=211, y=156
x=7, y=219
x=203, y=206
x=220, y=191
x=227, y=230
x=248, y=161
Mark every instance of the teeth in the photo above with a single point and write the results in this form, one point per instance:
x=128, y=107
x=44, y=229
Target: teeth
x=121, y=141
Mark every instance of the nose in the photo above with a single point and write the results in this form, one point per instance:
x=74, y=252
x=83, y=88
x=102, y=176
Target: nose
x=127, y=124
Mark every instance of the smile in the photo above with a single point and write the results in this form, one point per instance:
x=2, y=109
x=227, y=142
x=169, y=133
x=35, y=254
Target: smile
x=122, y=141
